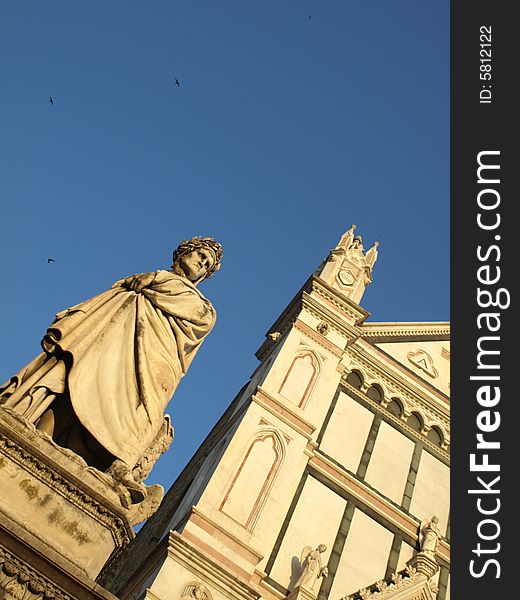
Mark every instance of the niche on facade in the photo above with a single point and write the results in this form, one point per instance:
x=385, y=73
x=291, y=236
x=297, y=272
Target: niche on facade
x=375, y=393
x=395, y=407
x=300, y=378
x=435, y=436
x=415, y=422
x=355, y=379
x=254, y=478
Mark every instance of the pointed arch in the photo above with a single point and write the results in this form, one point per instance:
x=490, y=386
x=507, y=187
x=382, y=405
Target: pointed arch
x=254, y=477
x=301, y=377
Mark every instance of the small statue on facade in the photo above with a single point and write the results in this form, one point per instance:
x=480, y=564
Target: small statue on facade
x=430, y=533
x=111, y=364
x=355, y=251
x=312, y=567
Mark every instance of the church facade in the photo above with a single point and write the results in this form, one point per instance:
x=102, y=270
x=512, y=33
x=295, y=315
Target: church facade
x=327, y=476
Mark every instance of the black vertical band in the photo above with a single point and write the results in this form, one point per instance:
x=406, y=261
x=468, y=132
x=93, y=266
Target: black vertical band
x=485, y=135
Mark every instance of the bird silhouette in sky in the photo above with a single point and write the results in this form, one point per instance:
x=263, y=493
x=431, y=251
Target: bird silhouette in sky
x=49, y=260
x=177, y=82
x=51, y=101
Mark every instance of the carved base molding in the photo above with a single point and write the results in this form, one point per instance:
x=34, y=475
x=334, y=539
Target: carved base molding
x=26, y=573
x=302, y=593
x=178, y=570
x=412, y=583
x=424, y=563
x=55, y=502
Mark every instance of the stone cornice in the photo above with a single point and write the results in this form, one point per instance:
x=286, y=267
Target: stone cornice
x=325, y=313
x=318, y=338
x=253, y=555
x=428, y=400
x=212, y=573
x=404, y=332
x=345, y=306
x=284, y=412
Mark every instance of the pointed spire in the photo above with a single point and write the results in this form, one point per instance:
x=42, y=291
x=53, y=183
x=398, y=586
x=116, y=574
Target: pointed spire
x=347, y=238
x=348, y=268
x=371, y=255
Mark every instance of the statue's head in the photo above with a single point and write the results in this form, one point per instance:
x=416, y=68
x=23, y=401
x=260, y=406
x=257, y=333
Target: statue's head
x=357, y=242
x=322, y=548
x=198, y=258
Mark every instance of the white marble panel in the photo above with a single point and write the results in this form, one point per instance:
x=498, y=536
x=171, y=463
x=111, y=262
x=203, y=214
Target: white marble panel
x=365, y=556
x=431, y=494
x=390, y=462
x=405, y=555
x=315, y=521
x=347, y=432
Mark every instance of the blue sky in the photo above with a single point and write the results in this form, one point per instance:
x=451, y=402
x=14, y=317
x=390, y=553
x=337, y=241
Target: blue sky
x=283, y=132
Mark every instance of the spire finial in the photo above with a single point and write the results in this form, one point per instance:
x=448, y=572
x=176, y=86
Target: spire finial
x=347, y=237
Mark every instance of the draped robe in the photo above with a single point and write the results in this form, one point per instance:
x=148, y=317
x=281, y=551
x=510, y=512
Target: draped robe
x=119, y=356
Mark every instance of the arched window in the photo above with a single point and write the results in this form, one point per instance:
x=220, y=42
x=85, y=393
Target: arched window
x=375, y=393
x=394, y=407
x=435, y=436
x=254, y=478
x=355, y=379
x=415, y=422
x=300, y=378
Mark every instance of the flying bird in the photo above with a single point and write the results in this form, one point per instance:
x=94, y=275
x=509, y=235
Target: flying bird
x=177, y=82
x=51, y=101
x=49, y=260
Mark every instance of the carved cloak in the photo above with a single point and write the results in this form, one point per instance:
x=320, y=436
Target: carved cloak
x=125, y=355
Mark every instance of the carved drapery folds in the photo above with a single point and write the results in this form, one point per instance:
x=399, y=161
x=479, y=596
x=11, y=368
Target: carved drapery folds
x=252, y=481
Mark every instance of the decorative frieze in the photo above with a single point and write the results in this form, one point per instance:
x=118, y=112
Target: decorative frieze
x=19, y=581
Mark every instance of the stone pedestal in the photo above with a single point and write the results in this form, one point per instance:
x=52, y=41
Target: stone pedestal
x=302, y=593
x=55, y=512
x=424, y=563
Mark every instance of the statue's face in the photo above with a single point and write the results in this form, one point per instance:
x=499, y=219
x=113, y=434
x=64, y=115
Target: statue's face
x=196, y=263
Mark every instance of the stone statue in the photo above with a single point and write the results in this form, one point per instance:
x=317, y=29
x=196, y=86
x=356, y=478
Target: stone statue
x=356, y=245
x=111, y=364
x=354, y=252
x=312, y=567
x=430, y=536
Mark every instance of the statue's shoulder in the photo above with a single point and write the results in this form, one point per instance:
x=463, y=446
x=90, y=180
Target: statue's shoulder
x=164, y=276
